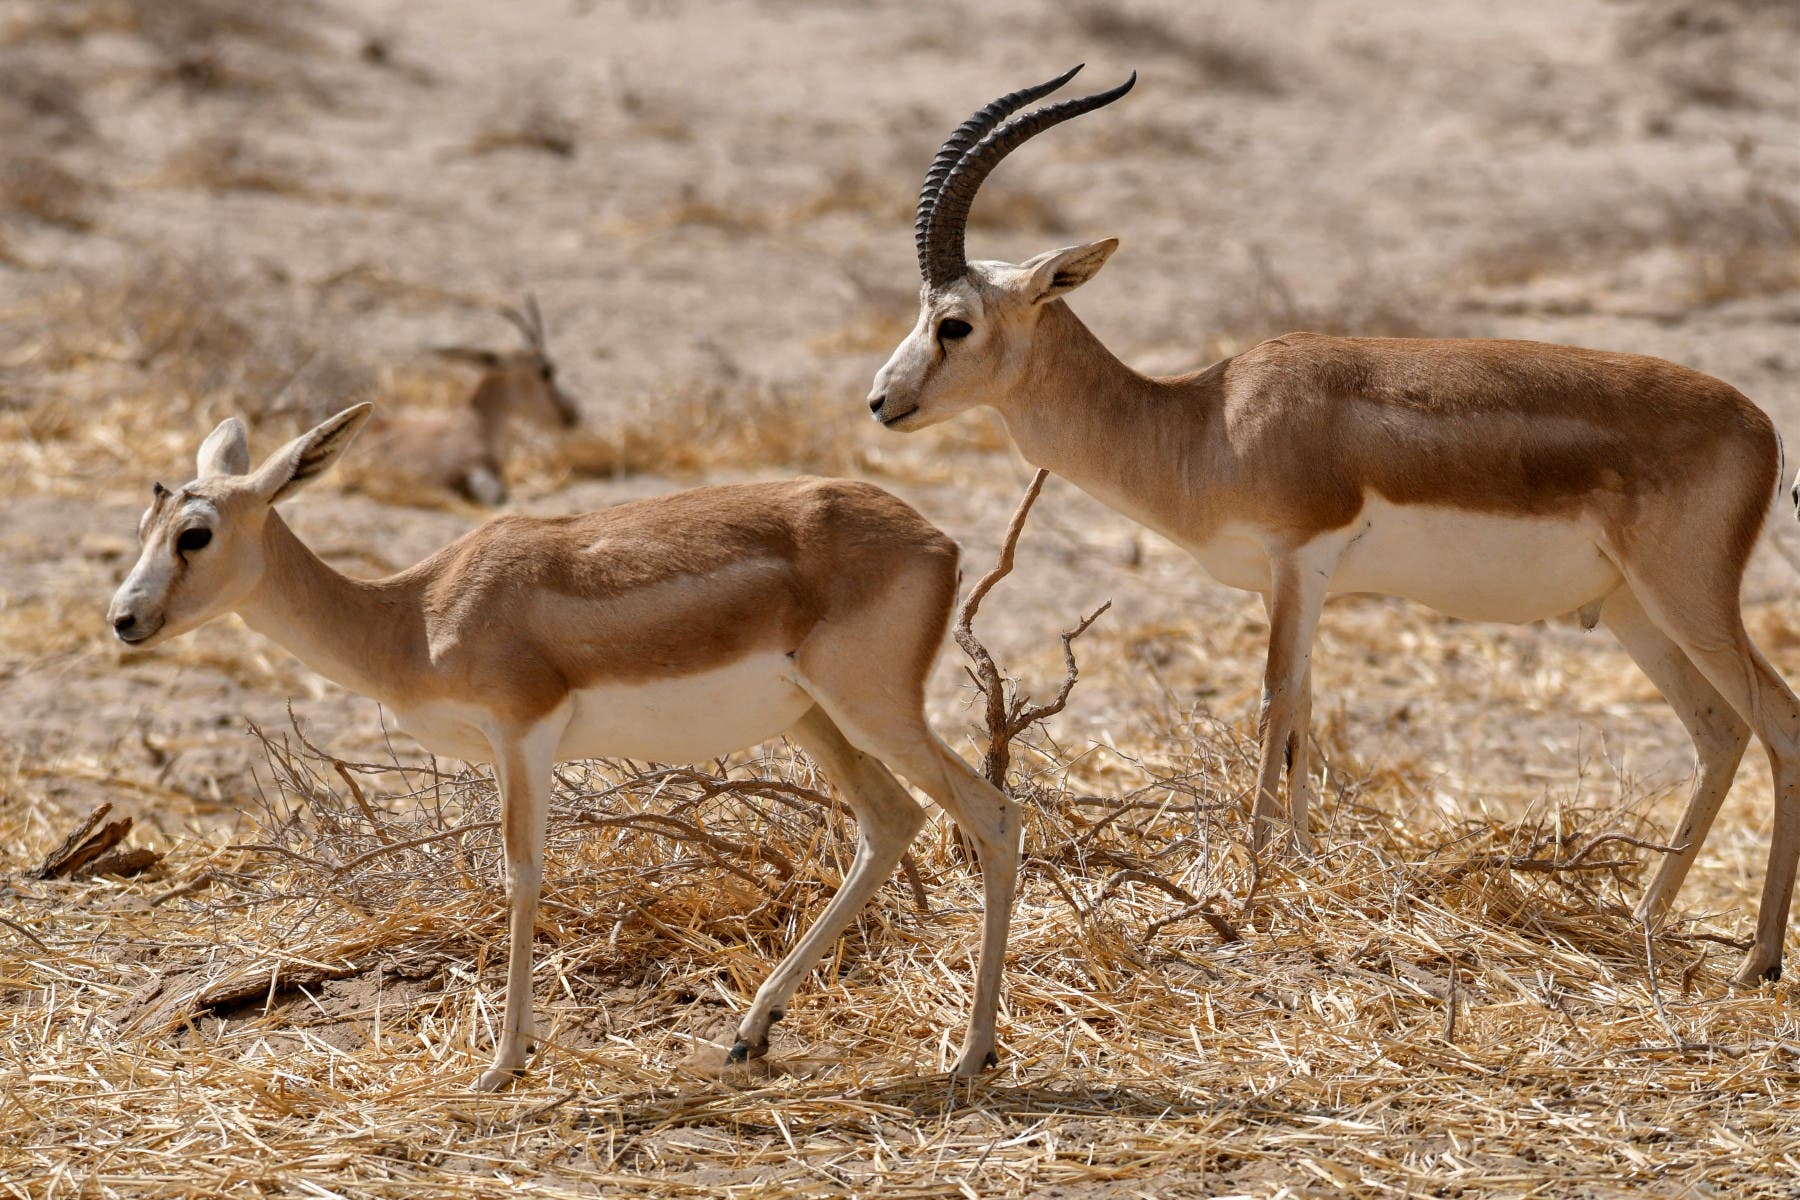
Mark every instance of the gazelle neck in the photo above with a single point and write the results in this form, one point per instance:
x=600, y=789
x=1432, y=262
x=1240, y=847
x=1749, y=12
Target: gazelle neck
x=490, y=403
x=360, y=633
x=1138, y=444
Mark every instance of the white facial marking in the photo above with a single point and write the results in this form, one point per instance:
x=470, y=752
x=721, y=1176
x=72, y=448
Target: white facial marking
x=144, y=596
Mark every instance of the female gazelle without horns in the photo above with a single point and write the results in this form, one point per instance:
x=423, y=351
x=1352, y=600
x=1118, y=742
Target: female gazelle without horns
x=674, y=629
x=1495, y=480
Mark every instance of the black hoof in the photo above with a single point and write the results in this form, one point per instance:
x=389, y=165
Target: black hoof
x=992, y=1060
x=1773, y=974
x=740, y=1052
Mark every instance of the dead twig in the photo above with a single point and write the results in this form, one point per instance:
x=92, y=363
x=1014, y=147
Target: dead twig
x=1008, y=712
x=356, y=793
x=1575, y=862
x=25, y=933
x=91, y=851
x=280, y=977
x=1192, y=906
x=1450, y=1004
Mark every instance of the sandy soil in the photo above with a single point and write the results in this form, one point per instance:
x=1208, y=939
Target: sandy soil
x=723, y=210
x=203, y=213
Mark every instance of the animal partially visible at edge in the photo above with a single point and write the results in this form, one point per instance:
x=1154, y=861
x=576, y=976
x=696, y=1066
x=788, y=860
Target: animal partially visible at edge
x=1491, y=480
x=463, y=451
x=674, y=629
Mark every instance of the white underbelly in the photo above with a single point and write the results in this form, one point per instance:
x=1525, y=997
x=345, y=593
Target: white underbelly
x=688, y=718
x=684, y=719
x=1475, y=566
x=446, y=728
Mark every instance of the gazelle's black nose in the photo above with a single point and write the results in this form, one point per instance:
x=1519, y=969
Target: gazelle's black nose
x=122, y=624
x=876, y=401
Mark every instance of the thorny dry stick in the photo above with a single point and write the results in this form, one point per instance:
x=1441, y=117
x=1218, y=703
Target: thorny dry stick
x=1008, y=713
x=356, y=793
x=1578, y=862
x=1450, y=998
x=1192, y=906
x=712, y=786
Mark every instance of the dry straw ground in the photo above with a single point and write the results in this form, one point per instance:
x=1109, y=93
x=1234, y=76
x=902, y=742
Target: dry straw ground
x=1433, y=1005
x=217, y=206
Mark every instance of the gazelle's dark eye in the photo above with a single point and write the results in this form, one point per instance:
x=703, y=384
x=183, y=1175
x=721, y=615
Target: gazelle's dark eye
x=951, y=328
x=547, y=372
x=194, y=539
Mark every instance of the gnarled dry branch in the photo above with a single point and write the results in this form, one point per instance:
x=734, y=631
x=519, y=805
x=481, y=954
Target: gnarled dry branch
x=1008, y=712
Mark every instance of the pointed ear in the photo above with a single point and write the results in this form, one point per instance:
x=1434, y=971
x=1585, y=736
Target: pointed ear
x=486, y=359
x=1057, y=271
x=226, y=450
x=308, y=456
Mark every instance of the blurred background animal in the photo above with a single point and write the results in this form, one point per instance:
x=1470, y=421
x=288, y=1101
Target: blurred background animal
x=463, y=451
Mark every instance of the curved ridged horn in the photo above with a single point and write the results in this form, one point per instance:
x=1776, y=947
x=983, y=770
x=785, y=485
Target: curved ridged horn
x=941, y=257
x=966, y=135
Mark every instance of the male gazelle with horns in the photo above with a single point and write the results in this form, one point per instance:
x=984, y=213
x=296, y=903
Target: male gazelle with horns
x=674, y=629
x=1495, y=480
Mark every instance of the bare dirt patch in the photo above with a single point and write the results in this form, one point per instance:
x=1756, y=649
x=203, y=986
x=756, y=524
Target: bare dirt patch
x=219, y=207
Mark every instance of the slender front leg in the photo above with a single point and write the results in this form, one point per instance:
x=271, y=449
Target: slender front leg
x=523, y=765
x=1299, y=765
x=868, y=679
x=1297, y=585
x=886, y=819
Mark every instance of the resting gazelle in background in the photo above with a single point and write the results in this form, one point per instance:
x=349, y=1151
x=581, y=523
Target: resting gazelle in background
x=673, y=629
x=464, y=450
x=1492, y=480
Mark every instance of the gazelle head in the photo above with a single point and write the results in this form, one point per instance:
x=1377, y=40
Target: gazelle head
x=522, y=382
x=976, y=321
x=202, y=543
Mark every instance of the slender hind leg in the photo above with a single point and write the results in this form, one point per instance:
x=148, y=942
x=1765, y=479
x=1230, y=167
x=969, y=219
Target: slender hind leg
x=886, y=819
x=1719, y=734
x=890, y=724
x=1706, y=624
x=992, y=820
x=1298, y=581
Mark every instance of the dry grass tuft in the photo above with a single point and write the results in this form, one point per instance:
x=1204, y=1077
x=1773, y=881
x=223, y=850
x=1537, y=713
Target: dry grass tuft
x=174, y=27
x=1698, y=250
x=738, y=424
x=853, y=190
x=1269, y=305
x=177, y=27
x=1431, y=1005
x=225, y=162
x=1726, y=54
x=1217, y=64
x=132, y=363
x=692, y=206
x=849, y=190
x=40, y=105
x=43, y=189
x=1017, y=209
x=536, y=124
x=744, y=424
x=201, y=46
